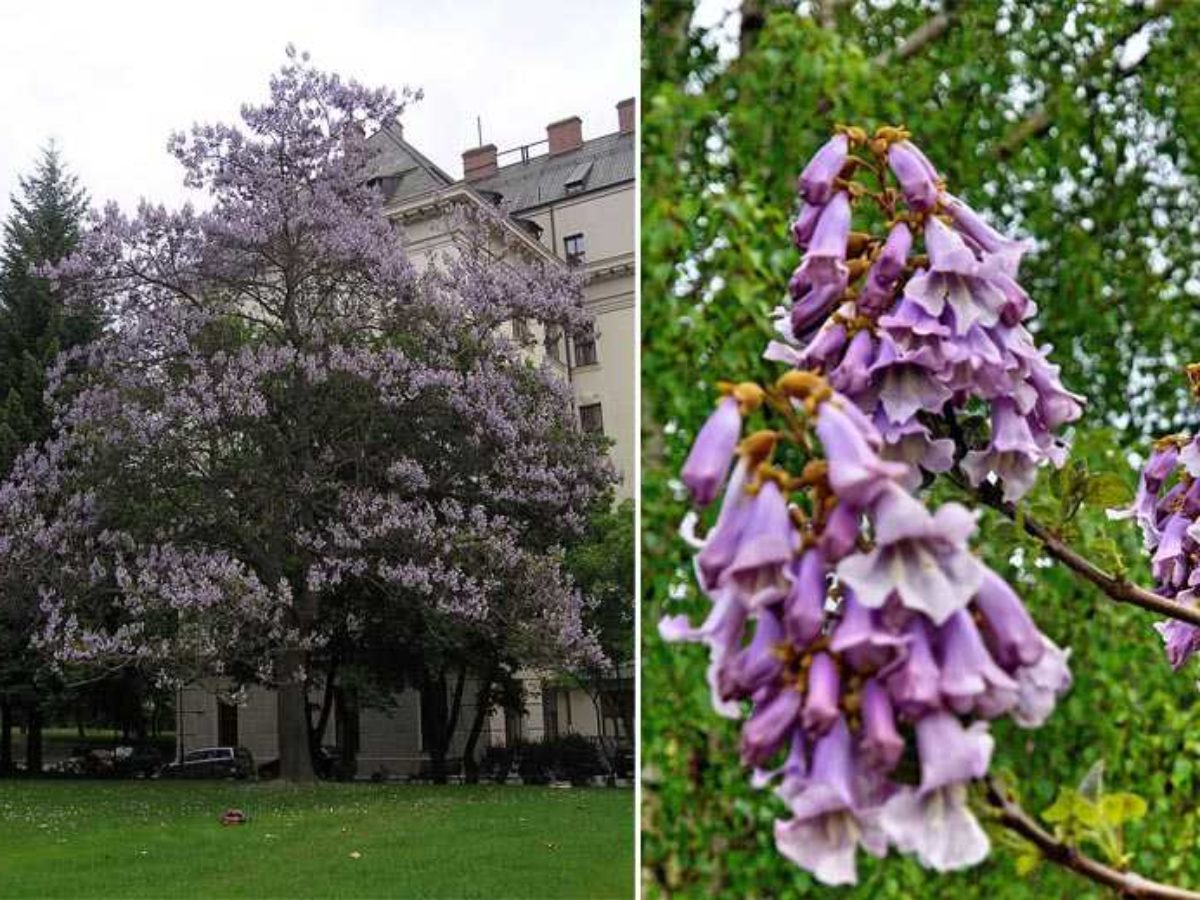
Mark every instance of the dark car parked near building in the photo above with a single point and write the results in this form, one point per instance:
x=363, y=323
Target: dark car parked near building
x=212, y=762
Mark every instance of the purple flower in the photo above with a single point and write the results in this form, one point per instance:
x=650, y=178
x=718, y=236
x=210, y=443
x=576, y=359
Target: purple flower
x=823, y=694
x=721, y=545
x=768, y=541
x=856, y=472
x=1040, y=685
x=914, y=683
x=860, y=638
x=968, y=222
x=712, y=454
x=1007, y=627
x=769, y=725
x=917, y=177
x=816, y=181
x=920, y=558
x=876, y=295
x=722, y=632
x=934, y=821
x=829, y=820
x=1013, y=454
x=881, y=745
x=758, y=664
x=825, y=258
x=804, y=607
x=971, y=681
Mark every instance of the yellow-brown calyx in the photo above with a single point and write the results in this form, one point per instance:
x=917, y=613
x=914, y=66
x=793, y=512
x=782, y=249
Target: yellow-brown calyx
x=815, y=472
x=1166, y=442
x=748, y=395
x=800, y=383
x=1192, y=371
x=758, y=447
x=856, y=136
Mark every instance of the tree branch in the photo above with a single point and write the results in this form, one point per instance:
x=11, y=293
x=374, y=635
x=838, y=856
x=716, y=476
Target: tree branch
x=920, y=38
x=1115, y=587
x=1127, y=884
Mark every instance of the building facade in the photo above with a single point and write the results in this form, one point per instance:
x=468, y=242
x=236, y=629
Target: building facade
x=567, y=201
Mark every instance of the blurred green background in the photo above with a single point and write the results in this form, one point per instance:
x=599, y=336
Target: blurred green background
x=1074, y=123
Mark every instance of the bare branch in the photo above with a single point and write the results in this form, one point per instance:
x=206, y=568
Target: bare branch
x=920, y=38
x=1127, y=884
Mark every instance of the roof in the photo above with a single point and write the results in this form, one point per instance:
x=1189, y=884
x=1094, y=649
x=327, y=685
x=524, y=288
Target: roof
x=401, y=168
x=598, y=163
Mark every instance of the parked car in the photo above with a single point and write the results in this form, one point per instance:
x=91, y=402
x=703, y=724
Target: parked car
x=212, y=762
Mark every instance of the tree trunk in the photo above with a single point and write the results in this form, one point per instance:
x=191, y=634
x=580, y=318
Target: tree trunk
x=483, y=705
x=433, y=725
x=6, y=757
x=346, y=706
x=316, y=731
x=33, y=740
x=295, y=758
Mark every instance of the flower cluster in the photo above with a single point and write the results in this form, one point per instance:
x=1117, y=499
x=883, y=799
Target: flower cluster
x=1167, y=508
x=909, y=337
x=876, y=632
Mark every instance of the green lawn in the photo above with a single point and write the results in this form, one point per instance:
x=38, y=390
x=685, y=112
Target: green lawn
x=162, y=839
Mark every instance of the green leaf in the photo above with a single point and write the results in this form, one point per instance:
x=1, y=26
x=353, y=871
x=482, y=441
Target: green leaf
x=1105, y=490
x=1117, y=809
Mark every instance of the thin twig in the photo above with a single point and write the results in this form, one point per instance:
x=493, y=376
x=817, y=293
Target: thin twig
x=1114, y=586
x=1127, y=884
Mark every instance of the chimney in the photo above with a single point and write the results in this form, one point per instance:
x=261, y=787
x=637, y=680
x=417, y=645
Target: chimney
x=479, y=163
x=626, y=116
x=565, y=135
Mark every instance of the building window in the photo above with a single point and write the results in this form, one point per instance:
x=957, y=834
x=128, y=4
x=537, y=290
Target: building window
x=573, y=249
x=521, y=331
x=585, y=345
x=553, y=333
x=591, y=420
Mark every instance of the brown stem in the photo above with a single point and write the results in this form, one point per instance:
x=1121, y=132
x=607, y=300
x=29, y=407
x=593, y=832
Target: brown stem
x=925, y=34
x=1115, y=587
x=1126, y=884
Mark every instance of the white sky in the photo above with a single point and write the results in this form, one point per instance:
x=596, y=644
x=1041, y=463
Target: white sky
x=109, y=81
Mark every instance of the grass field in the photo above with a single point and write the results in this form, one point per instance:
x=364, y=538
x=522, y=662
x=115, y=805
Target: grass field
x=85, y=839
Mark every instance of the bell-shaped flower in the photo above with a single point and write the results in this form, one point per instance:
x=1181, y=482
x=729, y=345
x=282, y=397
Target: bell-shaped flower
x=912, y=444
x=914, y=681
x=722, y=632
x=721, y=544
x=804, y=606
x=815, y=184
x=853, y=374
x=805, y=224
x=908, y=380
x=711, y=455
x=856, y=472
x=758, y=664
x=1013, y=454
x=829, y=820
x=968, y=222
x=861, y=639
x=933, y=821
x=759, y=570
x=771, y=722
x=1040, y=685
x=813, y=305
x=840, y=535
x=881, y=746
x=920, y=558
x=971, y=681
x=825, y=258
x=918, y=179
x=1009, y=632
x=823, y=694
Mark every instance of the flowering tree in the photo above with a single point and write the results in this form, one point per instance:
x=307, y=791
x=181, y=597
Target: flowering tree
x=286, y=421
x=875, y=631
